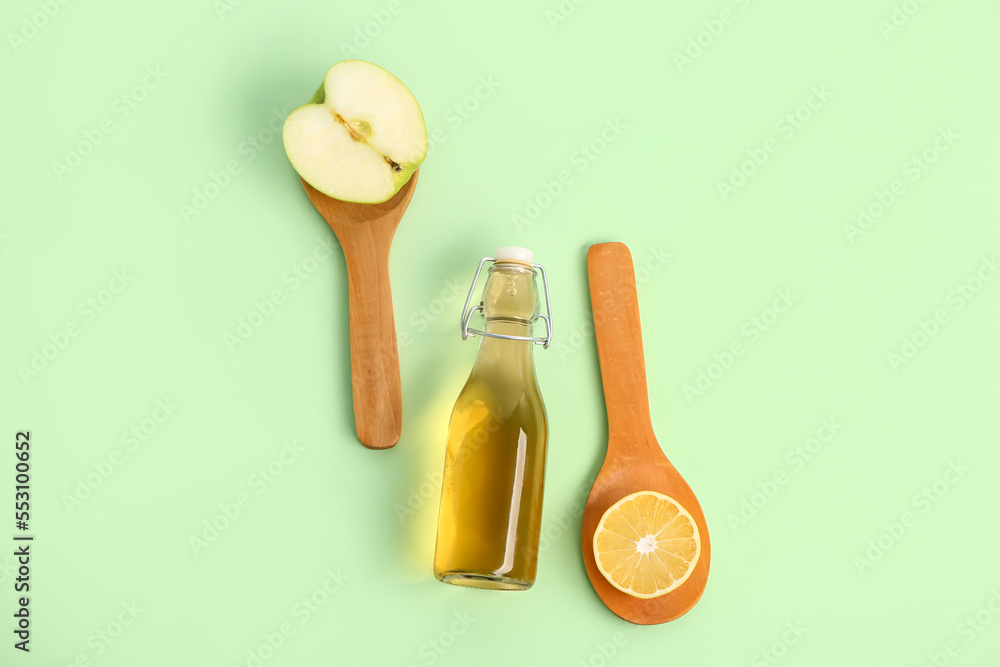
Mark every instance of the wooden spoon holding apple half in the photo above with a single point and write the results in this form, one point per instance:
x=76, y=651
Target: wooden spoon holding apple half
x=357, y=146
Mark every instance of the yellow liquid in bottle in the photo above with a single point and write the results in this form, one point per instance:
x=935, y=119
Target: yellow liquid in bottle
x=491, y=498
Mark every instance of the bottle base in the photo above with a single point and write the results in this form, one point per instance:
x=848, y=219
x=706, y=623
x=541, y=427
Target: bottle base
x=486, y=580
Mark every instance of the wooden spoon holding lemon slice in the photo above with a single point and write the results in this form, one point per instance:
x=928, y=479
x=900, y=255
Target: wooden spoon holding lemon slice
x=645, y=541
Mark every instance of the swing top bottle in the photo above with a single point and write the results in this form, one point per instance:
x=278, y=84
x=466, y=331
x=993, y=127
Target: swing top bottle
x=490, y=516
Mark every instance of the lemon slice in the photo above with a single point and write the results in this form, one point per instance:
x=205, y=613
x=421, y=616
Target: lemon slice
x=646, y=544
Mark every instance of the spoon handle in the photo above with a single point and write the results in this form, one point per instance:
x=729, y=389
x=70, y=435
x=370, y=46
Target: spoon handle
x=365, y=233
x=619, y=345
x=378, y=400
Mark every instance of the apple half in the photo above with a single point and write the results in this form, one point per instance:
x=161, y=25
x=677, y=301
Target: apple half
x=360, y=137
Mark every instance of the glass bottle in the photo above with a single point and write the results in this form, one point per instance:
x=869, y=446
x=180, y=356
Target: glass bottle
x=491, y=493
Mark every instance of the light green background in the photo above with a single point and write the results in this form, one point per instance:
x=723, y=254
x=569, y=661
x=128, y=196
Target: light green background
x=335, y=506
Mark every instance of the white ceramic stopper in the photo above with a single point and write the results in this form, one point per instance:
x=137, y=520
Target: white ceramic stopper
x=510, y=252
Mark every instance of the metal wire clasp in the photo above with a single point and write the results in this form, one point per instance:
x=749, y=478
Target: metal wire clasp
x=467, y=312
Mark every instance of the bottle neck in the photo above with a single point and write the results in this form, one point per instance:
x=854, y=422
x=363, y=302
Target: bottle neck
x=510, y=306
x=511, y=358
x=505, y=326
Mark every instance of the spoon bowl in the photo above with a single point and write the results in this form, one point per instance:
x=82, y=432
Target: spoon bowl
x=365, y=233
x=634, y=461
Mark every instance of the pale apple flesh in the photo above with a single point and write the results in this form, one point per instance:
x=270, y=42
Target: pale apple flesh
x=361, y=136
